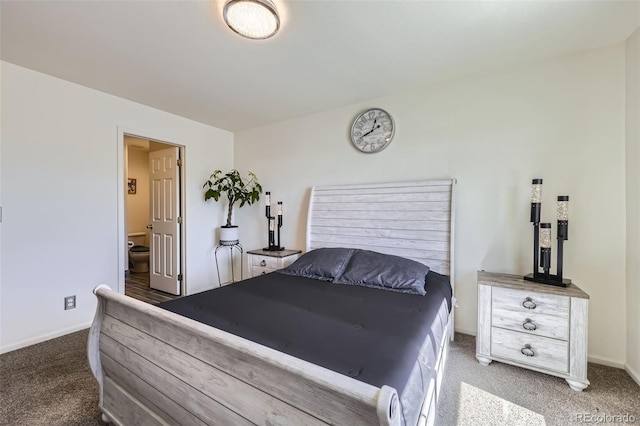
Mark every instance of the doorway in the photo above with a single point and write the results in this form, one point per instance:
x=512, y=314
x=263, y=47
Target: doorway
x=152, y=237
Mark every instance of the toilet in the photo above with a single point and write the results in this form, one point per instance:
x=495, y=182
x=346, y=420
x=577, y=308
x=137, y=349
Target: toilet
x=138, y=252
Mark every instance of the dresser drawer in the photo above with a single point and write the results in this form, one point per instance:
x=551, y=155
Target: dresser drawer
x=530, y=302
x=551, y=354
x=259, y=270
x=265, y=261
x=538, y=324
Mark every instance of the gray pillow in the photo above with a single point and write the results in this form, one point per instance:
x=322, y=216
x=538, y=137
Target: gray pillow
x=373, y=269
x=322, y=264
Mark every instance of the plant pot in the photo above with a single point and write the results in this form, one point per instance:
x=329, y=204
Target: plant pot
x=229, y=235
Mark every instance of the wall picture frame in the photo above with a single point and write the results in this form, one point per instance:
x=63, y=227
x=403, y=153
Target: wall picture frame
x=131, y=186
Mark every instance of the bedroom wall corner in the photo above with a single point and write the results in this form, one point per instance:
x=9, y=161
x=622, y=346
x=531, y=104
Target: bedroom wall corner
x=1, y=138
x=59, y=175
x=633, y=202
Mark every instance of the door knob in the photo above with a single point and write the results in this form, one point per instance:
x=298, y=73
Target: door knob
x=149, y=226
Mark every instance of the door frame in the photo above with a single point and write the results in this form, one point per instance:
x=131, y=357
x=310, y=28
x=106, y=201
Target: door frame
x=122, y=203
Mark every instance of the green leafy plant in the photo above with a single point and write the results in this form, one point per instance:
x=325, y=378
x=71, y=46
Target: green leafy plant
x=237, y=189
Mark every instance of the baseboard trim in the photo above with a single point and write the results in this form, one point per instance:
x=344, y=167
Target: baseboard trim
x=633, y=373
x=206, y=288
x=42, y=338
x=465, y=331
x=606, y=361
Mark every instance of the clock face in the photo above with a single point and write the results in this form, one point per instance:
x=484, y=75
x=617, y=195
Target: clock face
x=372, y=130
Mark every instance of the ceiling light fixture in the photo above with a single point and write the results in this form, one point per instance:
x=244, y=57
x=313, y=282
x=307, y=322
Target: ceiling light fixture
x=254, y=19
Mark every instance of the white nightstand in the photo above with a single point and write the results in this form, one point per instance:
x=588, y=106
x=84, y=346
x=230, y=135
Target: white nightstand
x=536, y=326
x=263, y=261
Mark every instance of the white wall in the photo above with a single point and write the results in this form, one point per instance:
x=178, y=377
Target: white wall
x=633, y=202
x=59, y=195
x=1, y=152
x=562, y=121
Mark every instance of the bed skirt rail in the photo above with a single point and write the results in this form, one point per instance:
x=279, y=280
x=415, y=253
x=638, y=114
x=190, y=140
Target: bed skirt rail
x=157, y=367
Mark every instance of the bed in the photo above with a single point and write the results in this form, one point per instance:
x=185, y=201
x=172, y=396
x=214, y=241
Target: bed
x=166, y=365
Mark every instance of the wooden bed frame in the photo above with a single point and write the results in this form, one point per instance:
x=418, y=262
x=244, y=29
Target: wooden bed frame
x=155, y=367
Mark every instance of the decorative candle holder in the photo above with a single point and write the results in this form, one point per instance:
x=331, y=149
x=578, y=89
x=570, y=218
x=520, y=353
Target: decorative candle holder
x=563, y=229
x=536, y=208
x=272, y=224
x=542, y=239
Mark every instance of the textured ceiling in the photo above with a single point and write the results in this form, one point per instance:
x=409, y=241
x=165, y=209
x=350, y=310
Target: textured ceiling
x=180, y=57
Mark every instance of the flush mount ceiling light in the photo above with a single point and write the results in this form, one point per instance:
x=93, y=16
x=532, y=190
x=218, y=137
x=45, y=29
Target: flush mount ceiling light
x=254, y=19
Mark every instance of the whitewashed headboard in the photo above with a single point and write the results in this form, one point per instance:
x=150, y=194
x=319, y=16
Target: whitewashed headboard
x=409, y=219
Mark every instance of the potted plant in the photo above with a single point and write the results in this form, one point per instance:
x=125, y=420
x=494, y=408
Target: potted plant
x=237, y=190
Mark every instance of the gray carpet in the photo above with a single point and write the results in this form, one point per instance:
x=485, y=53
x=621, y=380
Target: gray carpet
x=501, y=394
x=50, y=384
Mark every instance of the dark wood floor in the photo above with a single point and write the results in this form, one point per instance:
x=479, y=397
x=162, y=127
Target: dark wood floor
x=137, y=286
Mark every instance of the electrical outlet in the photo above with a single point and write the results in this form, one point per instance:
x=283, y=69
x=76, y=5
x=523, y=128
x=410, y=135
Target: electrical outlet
x=69, y=302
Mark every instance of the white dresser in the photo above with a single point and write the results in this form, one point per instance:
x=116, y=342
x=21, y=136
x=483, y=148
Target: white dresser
x=536, y=326
x=263, y=261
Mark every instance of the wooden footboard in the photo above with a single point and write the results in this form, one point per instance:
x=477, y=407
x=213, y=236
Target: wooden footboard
x=429, y=411
x=156, y=367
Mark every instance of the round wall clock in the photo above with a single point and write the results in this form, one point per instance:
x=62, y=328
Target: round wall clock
x=372, y=130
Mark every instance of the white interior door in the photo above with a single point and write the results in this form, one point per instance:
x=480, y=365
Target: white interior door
x=164, y=259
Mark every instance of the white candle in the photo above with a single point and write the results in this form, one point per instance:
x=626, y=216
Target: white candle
x=272, y=224
x=279, y=208
x=267, y=199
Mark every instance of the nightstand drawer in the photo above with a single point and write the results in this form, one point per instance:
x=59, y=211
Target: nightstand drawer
x=259, y=270
x=531, y=323
x=530, y=302
x=265, y=261
x=544, y=353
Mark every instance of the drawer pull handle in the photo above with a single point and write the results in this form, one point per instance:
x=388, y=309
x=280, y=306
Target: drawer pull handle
x=527, y=351
x=529, y=304
x=264, y=273
x=263, y=263
x=529, y=325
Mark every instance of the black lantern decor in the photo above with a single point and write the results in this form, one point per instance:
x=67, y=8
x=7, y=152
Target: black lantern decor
x=272, y=224
x=542, y=238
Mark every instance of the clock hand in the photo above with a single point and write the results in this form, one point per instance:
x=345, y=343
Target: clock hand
x=371, y=131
